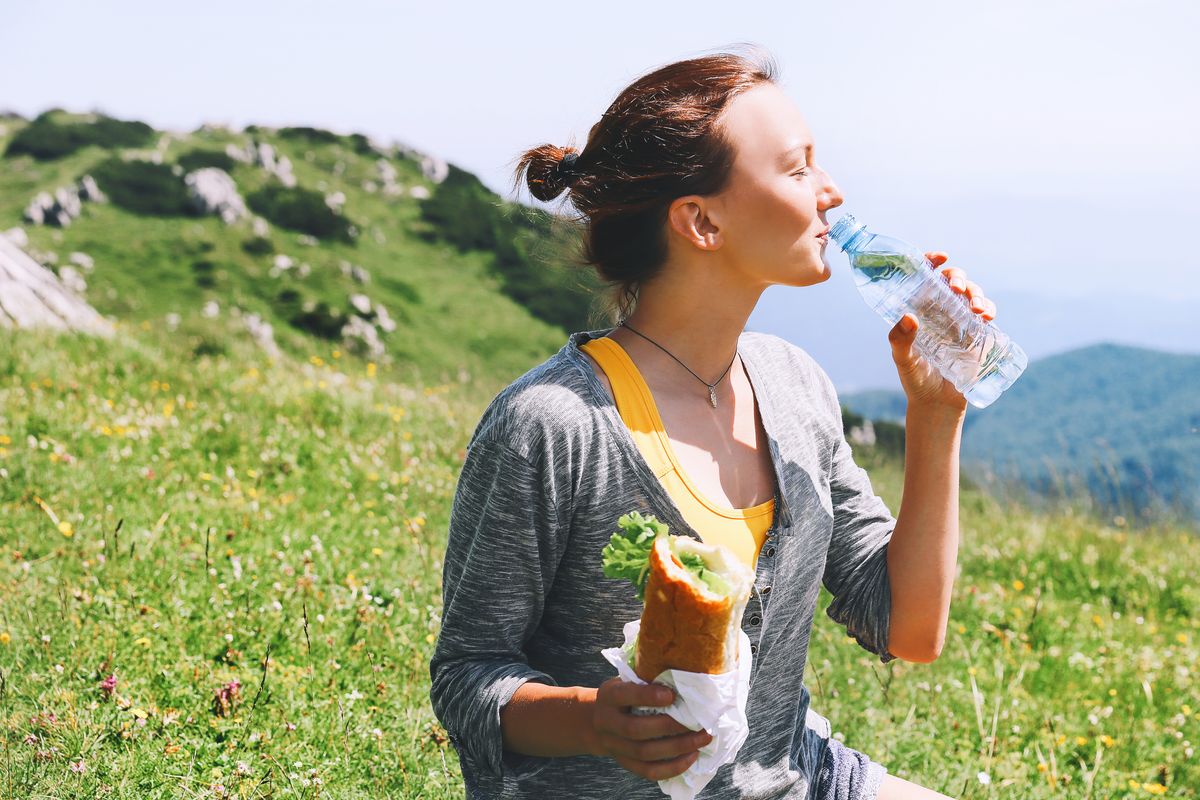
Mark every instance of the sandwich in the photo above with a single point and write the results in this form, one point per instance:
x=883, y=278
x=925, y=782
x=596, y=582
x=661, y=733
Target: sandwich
x=693, y=597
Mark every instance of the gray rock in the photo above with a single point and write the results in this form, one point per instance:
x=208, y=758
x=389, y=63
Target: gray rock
x=213, y=191
x=71, y=279
x=361, y=335
x=262, y=333
x=33, y=296
x=385, y=322
x=361, y=303
x=89, y=192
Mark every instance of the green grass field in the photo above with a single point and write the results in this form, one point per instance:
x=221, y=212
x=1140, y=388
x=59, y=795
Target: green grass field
x=220, y=577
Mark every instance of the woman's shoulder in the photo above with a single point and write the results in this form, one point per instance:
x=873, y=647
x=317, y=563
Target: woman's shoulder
x=547, y=406
x=790, y=367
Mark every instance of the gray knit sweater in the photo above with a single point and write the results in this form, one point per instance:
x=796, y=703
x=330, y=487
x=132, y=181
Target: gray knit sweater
x=549, y=469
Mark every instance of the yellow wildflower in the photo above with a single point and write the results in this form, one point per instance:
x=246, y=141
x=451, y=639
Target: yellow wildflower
x=1154, y=788
x=1018, y=585
x=5, y=638
x=1108, y=740
x=371, y=369
x=5, y=439
x=1081, y=740
x=1182, y=638
x=143, y=642
x=66, y=529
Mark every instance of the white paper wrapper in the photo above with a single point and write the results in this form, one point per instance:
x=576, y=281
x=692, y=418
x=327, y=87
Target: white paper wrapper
x=715, y=703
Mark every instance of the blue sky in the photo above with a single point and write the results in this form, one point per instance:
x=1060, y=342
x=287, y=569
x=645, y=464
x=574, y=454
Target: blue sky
x=1049, y=147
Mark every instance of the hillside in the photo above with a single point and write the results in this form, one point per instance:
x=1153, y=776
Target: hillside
x=1109, y=427
x=433, y=274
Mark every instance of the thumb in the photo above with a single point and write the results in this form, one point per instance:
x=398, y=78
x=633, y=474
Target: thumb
x=902, y=336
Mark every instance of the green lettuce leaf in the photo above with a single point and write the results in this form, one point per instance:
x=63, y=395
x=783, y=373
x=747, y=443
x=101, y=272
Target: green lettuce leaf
x=627, y=554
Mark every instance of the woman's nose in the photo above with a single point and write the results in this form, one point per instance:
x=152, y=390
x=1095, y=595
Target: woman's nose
x=831, y=195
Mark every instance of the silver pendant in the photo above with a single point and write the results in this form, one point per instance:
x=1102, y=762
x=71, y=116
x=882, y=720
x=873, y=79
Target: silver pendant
x=712, y=396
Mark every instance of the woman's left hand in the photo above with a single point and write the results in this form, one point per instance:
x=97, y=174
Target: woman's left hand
x=923, y=384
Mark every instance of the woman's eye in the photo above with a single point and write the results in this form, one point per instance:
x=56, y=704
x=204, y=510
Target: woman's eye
x=802, y=171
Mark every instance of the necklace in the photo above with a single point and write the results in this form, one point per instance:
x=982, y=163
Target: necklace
x=712, y=392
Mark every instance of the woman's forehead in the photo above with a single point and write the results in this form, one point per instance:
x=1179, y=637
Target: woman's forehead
x=766, y=127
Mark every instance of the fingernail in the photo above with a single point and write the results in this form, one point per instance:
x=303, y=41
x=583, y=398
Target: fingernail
x=907, y=324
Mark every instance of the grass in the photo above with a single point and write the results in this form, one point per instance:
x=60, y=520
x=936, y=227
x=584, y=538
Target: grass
x=186, y=523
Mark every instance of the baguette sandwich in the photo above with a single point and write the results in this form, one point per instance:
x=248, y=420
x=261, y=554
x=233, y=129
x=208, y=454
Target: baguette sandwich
x=694, y=595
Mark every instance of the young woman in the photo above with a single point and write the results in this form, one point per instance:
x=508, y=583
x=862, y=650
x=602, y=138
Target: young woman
x=699, y=189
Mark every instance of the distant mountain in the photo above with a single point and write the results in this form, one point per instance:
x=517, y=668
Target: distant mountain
x=877, y=404
x=1118, y=424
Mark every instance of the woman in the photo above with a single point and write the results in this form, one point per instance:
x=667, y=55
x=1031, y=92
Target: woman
x=699, y=190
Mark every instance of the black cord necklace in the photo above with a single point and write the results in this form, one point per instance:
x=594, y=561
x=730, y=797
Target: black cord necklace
x=712, y=392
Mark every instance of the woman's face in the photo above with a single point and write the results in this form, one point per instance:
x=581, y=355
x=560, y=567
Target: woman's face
x=773, y=210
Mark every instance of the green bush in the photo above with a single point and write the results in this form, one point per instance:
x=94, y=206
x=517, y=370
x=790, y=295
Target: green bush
x=302, y=210
x=45, y=139
x=200, y=159
x=321, y=321
x=144, y=188
x=306, y=134
x=258, y=246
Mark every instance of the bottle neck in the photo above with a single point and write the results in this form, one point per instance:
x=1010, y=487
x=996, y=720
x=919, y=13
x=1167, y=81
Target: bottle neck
x=848, y=233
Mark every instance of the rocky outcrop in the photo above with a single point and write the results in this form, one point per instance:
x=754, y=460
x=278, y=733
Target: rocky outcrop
x=213, y=191
x=65, y=204
x=265, y=156
x=31, y=296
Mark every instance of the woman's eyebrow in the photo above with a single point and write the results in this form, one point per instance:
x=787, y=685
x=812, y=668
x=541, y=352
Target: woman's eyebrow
x=792, y=152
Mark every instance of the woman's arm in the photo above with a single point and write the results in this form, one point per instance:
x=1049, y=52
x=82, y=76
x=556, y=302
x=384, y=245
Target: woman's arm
x=570, y=721
x=923, y=552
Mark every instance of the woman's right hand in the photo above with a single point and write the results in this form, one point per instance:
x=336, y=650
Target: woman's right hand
x=656, y=746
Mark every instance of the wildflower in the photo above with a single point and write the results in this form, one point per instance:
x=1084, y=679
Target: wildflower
x=1154, y=788
x=226, y=698
x=984, y=778
x=5, y=637
x=1108, y=740
x=109, y=685
x=1081, y=740
x=1018, y=585
x=65, y=528
x=78, y=767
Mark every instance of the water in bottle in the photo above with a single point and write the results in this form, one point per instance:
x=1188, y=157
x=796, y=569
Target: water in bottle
x=895, y=278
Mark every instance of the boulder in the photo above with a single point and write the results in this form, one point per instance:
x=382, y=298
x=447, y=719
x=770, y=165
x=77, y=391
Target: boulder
x=213, y=191
x=33, y=296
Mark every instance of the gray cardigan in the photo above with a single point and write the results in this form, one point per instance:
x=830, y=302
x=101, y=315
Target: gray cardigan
x=549, y=469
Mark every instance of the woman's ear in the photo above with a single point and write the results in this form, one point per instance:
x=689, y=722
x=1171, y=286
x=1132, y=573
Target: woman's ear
x=691, y=218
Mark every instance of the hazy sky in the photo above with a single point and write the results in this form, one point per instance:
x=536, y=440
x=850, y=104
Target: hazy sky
x=1048, y=146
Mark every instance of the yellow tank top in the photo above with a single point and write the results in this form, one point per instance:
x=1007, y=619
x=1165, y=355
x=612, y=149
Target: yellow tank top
x=742, y=530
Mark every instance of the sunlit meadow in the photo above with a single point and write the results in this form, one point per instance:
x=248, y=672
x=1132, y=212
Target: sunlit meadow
x=220, y=577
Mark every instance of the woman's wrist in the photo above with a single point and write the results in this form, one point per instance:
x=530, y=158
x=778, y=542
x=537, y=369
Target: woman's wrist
x=554, y=721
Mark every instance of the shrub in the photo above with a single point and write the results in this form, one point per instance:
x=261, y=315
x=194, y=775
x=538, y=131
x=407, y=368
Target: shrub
x=320, y=321
x=258, y=246
x=314, y=135
x=45, y=139
x=299, y=209
x=200, y=159
x=144, y=187
x=203, y=273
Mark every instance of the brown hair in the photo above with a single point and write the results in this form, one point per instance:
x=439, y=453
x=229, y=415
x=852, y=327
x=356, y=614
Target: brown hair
x=659, y=140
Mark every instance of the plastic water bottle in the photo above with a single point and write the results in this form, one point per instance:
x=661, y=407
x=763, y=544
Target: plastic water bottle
x=895, y=278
